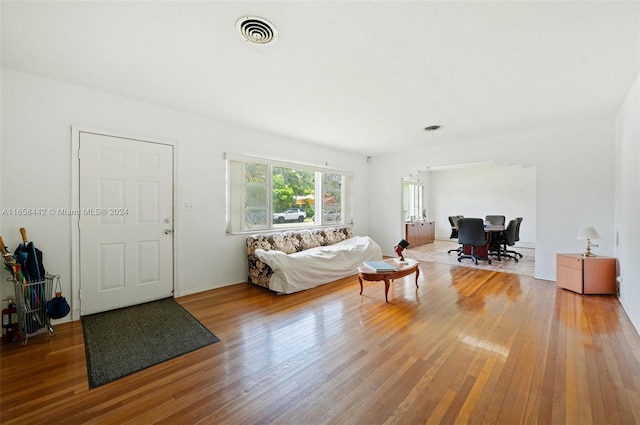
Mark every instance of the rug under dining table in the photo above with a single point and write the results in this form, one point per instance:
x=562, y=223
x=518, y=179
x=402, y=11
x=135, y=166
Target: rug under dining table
x=437, y=253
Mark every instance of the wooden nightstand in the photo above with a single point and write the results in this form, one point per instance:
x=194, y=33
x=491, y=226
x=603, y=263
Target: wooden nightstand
x=586, y=275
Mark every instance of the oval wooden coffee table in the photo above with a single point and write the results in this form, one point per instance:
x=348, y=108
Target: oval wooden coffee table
x=368, y=274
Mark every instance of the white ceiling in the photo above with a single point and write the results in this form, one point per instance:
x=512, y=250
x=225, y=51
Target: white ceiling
x=366, y=77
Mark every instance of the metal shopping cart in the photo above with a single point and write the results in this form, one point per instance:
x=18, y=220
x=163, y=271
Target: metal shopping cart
x=30, y=295
x=31, y=303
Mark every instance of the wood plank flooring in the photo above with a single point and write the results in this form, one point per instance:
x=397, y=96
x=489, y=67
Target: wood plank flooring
x=467, y=347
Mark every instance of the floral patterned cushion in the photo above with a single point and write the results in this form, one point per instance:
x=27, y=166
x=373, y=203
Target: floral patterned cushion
x=334, y=236
x=287, y=242
x=308, y=239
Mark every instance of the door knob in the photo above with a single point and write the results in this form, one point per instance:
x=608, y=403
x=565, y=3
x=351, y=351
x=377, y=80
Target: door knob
x=167, y=231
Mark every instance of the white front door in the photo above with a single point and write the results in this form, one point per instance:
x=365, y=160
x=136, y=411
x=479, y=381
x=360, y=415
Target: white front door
x=125, y=222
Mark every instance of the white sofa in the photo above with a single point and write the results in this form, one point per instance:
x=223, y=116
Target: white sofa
x=292, y=261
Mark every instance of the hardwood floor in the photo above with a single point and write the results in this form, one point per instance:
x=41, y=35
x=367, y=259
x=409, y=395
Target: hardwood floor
x=468, y=346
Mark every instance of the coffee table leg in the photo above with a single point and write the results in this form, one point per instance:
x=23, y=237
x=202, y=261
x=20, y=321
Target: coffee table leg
x=386, y=290
x=360, y=279
x=417, y=275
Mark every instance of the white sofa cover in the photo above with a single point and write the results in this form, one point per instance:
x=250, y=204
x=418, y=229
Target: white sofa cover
x=315, y=257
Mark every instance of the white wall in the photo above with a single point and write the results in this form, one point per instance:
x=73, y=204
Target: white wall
x=627, y=195
x=577, y=167
x=37, y=115
x=480, y=191
x=574, y=184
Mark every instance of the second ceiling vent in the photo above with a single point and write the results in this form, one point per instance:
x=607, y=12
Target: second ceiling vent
x=257, y=30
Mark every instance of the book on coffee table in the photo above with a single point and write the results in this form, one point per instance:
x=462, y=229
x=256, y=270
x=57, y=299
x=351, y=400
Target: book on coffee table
x=380, y=266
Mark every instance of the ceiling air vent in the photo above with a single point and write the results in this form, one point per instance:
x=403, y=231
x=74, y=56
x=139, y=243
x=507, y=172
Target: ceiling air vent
x=257, y=30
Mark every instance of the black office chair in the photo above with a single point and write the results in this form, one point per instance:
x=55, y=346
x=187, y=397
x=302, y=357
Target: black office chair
x=495, y=238
x=509, y=239
x=495, y=242
x=471, y=232
x=453, y=220
x=498, y=220
x=516, y=238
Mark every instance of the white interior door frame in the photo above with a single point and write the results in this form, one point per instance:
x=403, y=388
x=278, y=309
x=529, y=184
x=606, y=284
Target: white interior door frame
x=75, y=206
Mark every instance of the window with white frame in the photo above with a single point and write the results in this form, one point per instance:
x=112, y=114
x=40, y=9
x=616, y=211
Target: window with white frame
x=265, y=194
x=413, y=202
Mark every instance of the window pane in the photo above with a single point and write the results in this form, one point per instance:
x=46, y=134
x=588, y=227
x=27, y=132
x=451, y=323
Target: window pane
x=293, y=196
x=256, y=196
x=413, y=202
x=332, y=199
x=268, y=195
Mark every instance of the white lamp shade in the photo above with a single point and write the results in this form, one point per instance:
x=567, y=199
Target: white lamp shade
x=588, y=232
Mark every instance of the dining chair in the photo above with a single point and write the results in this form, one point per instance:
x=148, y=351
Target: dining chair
x=498, y=220
x=495, y=243
x=495, y=238
x=453, y=220
x=516, y=238
x=471, y=232
x=509, y=239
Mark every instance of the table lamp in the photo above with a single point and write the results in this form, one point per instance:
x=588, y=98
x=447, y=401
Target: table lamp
x=588, y=233
x=400, y=246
